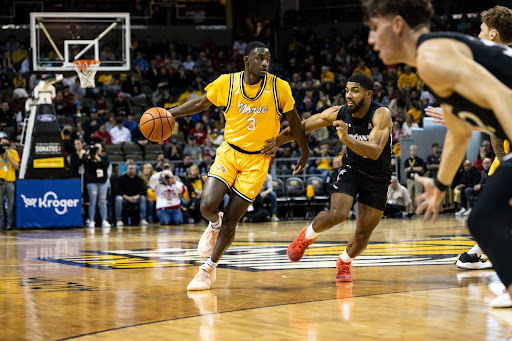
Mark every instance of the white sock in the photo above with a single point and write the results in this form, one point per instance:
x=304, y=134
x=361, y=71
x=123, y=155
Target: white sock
x=476, y=249
x=216, y=225
x=310, y=233
x=211, y=263
x=345, y=257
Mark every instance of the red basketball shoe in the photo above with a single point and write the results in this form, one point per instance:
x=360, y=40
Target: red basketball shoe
x=343, y=271
x=297, y=248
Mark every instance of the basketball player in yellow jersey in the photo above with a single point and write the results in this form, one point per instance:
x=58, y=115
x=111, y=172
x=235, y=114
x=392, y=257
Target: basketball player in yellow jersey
x=253, y=102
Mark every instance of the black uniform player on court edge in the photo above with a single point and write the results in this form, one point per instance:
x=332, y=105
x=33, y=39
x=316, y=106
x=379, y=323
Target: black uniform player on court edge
x=365, y=127
x=471, y=79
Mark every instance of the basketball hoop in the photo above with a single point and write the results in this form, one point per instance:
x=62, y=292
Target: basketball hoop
x=86, y=69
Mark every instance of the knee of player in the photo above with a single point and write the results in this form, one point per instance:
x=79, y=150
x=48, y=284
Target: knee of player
x=338, y=215
x=363, y=235
x=206, y=207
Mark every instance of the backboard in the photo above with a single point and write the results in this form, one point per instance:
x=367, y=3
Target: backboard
x=57, y=39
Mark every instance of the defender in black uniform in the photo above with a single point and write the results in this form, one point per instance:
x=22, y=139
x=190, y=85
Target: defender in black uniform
x=365, y=127
x=496, y=27
x=360, y=174
x=472, y=80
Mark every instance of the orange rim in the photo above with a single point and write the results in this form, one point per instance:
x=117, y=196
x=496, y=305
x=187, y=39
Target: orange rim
x=83, y=64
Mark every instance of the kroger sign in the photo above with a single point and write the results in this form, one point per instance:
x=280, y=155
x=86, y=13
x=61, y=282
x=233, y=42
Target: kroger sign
x=51, y=200
x=48, y=203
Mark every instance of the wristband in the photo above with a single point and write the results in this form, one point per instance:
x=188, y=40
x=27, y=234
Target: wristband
x=439, y=185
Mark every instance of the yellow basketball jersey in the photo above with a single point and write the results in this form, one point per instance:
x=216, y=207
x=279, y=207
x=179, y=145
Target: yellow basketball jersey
x=252, y=112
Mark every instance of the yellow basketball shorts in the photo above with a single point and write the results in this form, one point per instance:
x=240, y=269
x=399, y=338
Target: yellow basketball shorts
x=242, y=173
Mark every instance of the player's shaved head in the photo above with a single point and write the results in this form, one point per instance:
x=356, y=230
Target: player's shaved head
x=253, y=45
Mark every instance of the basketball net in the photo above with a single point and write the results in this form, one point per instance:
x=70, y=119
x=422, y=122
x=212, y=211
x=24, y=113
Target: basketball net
x=86, y=70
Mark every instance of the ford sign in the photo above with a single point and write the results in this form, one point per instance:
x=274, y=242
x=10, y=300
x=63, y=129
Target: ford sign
x=46, y=118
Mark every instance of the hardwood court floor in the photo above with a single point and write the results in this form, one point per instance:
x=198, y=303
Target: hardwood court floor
x=130, y=284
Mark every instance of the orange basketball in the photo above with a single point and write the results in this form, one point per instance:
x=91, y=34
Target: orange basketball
x=156, y=124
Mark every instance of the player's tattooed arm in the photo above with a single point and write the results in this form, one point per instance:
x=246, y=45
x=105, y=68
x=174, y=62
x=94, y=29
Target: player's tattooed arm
x=498, y=147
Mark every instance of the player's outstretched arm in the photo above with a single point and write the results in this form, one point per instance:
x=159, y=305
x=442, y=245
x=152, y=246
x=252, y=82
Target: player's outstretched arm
x=190, y=107
x=298, y=133
x=315, y=122
x=382, y=126
x=455, y=145
x=323, y=119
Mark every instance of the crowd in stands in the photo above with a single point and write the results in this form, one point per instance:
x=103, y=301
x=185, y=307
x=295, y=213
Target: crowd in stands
x=166, y=74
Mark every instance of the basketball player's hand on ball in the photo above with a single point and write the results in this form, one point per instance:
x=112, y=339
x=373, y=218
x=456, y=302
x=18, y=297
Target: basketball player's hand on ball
x=430, y=199
x=342, y=129
x=269, y=148
x=436, y=114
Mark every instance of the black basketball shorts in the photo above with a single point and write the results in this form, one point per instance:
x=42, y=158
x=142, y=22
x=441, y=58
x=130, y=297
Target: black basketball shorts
x=372, y=190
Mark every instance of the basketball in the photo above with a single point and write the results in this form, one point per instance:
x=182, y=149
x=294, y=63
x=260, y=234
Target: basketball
x=156, y=124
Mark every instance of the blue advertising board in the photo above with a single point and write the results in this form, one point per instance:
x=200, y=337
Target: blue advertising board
x=48, y=203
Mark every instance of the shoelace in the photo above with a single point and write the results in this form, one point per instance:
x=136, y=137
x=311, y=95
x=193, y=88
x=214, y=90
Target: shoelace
x=301, y=245
x=344, y=268
x=204, y=275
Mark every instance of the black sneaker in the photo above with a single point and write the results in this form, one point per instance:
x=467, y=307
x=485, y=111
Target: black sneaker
x=470, y=261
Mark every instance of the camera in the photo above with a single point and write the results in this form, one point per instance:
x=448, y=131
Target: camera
x=93, y=150
x=5, y=145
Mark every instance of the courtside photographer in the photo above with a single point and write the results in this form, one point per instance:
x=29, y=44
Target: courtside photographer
x=8, y=165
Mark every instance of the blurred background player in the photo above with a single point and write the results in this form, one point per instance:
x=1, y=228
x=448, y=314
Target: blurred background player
x=496, y=26
x=471, y=79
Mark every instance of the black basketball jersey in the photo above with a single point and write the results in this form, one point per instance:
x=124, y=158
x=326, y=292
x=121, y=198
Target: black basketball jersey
x=359, y=129
x=497, y=59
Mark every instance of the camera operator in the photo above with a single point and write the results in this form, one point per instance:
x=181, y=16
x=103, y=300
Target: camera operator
x=9, y=164
x=96, y=177
x=168, y=199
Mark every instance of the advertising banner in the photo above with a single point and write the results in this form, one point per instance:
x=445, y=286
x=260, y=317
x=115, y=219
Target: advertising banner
x=48, y=203
x=46, y=159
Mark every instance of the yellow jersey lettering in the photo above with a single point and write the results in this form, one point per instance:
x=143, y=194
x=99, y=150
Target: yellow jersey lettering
x=245, y=109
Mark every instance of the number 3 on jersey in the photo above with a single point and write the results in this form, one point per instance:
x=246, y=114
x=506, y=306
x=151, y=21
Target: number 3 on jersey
x=251, y=123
